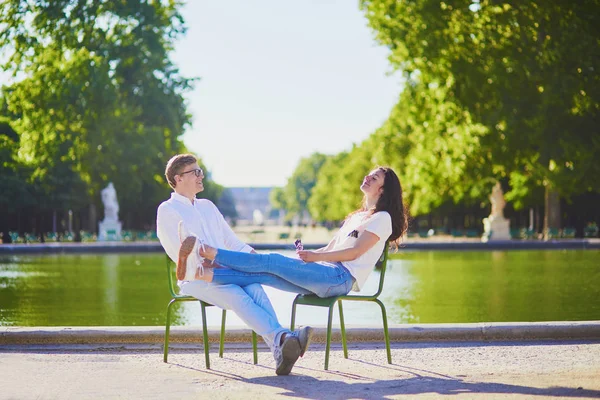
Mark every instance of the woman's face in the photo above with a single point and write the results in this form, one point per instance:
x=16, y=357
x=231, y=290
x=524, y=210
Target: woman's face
x=372, y=185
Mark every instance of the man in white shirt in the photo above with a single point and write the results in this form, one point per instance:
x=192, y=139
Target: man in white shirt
x=184, y=215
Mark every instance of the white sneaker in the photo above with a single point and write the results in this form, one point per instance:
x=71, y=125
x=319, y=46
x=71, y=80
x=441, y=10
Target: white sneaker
x=189, y=260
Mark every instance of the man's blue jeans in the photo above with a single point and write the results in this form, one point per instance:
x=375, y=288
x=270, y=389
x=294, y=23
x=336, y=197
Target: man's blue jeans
x=289, y=274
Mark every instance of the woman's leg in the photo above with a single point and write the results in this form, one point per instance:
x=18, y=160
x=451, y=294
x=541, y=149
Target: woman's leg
x=322, y=279
x=228, y=276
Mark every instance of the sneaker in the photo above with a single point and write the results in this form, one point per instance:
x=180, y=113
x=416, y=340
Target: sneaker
x=286, y=355
x=304, y=336
x=189, y=259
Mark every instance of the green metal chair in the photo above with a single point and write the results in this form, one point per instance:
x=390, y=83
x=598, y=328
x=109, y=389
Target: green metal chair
x=178, y=298
x=313, y=300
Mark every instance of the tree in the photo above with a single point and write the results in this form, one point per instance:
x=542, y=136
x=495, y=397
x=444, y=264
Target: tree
x=526, y=72
x=15, y=193
x=435, y=148
x=295, y=194
x=96, y=93
x=11, y=186
x=277, y=199
x=329, y=201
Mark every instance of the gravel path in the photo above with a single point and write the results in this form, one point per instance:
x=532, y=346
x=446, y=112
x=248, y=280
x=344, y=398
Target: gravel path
x=463, y=370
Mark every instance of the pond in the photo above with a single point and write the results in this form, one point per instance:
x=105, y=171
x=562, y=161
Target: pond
x=420, y=287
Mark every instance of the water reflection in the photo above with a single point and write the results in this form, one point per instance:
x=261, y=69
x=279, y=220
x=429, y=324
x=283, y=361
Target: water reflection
x=110, y=264
x=499, y=286
x=420, y=287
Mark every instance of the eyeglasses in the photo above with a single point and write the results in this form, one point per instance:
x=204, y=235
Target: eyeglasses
x=198, y=172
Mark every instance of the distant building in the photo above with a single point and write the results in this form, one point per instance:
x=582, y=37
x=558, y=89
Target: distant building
x=253, y=206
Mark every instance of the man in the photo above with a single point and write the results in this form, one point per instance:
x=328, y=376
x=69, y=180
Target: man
x=183, y=220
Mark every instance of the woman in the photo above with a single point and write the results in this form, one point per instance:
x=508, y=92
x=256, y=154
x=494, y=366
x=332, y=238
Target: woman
x=344, y=264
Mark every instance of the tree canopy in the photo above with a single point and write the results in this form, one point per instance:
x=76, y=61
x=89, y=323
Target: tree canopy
x=293, y=197
x=524, y=74
x=493, y=91
x=94, y=98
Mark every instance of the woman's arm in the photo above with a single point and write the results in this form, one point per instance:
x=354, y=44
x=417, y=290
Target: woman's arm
x=361, y=246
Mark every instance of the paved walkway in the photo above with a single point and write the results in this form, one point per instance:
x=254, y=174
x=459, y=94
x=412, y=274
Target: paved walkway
x=459, y=370
x=481, y=361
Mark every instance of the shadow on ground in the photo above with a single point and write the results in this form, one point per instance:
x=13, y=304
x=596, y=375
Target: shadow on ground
x=299, y=385
x=312, y=388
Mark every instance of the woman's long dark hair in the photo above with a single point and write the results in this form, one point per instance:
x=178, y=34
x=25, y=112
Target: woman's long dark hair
x=391, y=201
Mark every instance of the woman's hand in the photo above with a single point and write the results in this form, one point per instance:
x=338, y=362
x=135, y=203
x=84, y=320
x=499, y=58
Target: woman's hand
x=308, y=256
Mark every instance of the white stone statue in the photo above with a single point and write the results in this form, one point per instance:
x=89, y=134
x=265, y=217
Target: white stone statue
x=110, y=227
x=498, y=202
x=111, y=206
x=496, y=227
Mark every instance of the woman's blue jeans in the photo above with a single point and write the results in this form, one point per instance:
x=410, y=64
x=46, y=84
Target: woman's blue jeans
x=284, y=273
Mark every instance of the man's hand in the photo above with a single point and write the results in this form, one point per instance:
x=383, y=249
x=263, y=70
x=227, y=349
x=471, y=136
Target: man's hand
x=309, y=256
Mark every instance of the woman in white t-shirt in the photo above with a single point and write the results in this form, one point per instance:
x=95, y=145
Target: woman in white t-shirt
x=344, y=264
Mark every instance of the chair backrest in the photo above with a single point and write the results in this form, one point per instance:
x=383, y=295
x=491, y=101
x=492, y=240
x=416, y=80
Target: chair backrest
x=170, y=276
x=382, y=264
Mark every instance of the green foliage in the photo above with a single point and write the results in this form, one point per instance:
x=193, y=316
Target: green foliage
x=13, y=194
x=277, y=198
x=435, y=147
x=523, y=75
x=493, y=92
x=295, y=194
x=428, y=140
x=95, y=98
x=333, y=197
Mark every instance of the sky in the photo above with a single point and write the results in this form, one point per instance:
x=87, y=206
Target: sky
x=280, y=80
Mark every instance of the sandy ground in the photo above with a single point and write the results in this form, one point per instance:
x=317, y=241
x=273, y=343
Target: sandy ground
x=465, y=370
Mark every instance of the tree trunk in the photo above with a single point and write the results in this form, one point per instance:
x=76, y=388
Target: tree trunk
x=552, y=215
x=92, y=219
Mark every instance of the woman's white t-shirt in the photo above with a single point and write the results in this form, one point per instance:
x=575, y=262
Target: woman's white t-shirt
x=380, y=224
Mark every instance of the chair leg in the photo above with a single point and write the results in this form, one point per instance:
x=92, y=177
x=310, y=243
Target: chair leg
x=168, y=330
x=385, y=331
x=222, y=338
x=205, y=335
x=254, y=340
x=328, y=337
x=343, y=329
x=293, y=323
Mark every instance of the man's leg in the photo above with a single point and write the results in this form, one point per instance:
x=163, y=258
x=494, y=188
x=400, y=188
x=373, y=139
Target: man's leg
x=260, y=298
x=228, y=276
x=232, y=297
x=258, y=315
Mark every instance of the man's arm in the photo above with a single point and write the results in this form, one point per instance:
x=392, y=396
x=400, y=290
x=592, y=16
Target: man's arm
x=167, y=230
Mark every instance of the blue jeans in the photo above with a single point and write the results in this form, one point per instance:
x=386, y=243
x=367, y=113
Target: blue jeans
x=249, y=302
x=284, y=273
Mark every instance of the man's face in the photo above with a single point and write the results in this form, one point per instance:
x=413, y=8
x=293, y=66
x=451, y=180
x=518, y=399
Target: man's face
x=190, y=179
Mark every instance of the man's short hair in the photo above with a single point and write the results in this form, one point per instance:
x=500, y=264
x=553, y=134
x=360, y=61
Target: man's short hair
x=176, y=165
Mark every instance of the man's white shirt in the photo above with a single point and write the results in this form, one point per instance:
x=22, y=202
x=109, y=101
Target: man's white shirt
x=201, y=218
